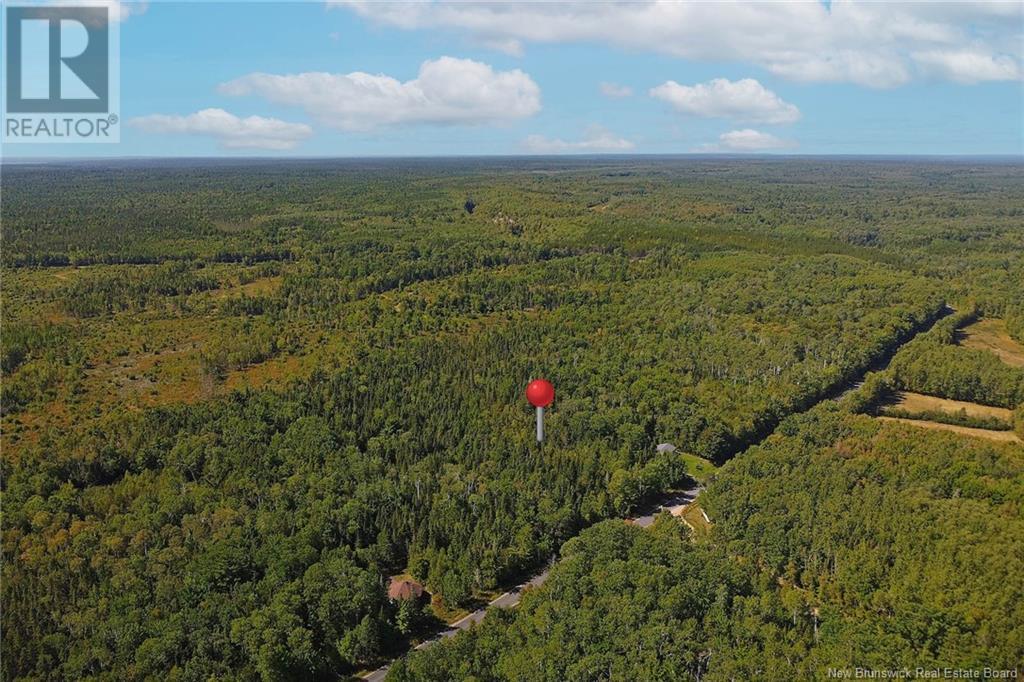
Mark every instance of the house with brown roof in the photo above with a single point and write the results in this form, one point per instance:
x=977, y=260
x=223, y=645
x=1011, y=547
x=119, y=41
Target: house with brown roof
x=404, y=588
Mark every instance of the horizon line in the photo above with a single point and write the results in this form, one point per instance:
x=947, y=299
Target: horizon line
x=15, y=160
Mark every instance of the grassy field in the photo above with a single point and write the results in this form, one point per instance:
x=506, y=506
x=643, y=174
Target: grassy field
x=998, y=436
x=918, y=402
x=694, y=518
x=991, y=335
x=698, y=467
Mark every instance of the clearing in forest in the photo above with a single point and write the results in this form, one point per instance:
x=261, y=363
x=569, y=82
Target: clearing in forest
x=918, y=403
x=990, y=334
x=1000, y=436
x=693, y=516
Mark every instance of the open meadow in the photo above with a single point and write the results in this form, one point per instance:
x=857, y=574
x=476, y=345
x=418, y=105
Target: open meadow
x=992, y=335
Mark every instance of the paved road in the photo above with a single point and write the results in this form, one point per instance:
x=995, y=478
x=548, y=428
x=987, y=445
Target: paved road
x=674, y=503
x=505, y=601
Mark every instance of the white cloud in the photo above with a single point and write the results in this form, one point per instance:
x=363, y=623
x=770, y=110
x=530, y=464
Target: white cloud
x=968, y=66
x=742, y=100
x=123, y=10
x=596, y=139
x=118, y=11
x=509, y=46
x=746, y=140
x=446, y=91
x=864, y=42
x=885, y=69
x=254, y=132
x=616, y=90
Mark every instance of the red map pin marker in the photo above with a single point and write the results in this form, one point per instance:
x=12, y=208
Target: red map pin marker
x=540, y=393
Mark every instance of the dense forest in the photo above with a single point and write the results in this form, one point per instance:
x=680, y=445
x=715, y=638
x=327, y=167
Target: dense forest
x=818, y=560
x=631, y=604
x=237, y=397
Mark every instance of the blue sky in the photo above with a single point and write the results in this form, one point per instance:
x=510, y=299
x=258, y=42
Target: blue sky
x=530, y=80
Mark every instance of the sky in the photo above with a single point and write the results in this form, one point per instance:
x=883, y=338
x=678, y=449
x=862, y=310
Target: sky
x=346, y=79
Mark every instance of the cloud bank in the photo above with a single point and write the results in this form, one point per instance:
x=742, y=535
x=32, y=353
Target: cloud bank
x=870, y=43
x=968, y=66
x=446, y=91
x=742, y=100
x=747, y=140
x=596, y=139
x=232, y=132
